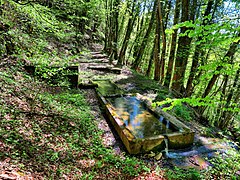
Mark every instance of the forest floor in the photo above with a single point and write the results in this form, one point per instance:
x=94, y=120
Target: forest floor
x=51, y=132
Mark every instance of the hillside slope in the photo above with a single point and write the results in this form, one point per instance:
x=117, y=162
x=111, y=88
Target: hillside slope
x=47, y=129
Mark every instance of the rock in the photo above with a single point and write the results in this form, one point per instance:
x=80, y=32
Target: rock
x=152, y=154
x=158, y=156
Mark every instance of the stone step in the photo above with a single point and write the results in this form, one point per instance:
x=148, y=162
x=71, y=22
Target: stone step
x=106, y=68
x=96, y=52
x=103, y=60
x=99, y=56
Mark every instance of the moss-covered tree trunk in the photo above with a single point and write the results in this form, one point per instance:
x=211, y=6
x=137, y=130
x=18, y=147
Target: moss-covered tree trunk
x=114, y=33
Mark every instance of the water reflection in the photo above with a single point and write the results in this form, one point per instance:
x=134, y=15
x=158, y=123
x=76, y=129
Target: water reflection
x=138, y=119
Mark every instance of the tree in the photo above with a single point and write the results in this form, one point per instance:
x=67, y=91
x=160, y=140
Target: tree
x=183, y=49
x=157, y=45
x=199, y=53
x=173, y=46
x=163, y=28
x=228, y=56
x=111, y=35
x=227, y=114
x=130, y=25
x=142, y=47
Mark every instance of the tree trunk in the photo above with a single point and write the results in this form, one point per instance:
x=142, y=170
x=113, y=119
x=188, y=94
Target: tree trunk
x=183, y=49
x=145, y=39
x=229, y=55
x=127, y=35
x=123, y=19
x=198, y=52
x=106, y=28
x=150, y=62
x=157, y=45
x=226, y=117
x=114, y=54
x=109, y=25
x=164, y=43
x=173, y=46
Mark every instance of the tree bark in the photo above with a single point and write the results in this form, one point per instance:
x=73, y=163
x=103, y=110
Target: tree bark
x=164, y=42
x=106, y=28
x=150, y=62
x=145, y=39
x=198, y=52
x=157, y=45
x=173, y=46
x=226, y=117
x=114, y=54
x=127, y=35
x=183, y=49
x=229, y=55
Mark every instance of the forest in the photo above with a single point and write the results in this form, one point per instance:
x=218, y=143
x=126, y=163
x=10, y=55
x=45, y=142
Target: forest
x=185, y=52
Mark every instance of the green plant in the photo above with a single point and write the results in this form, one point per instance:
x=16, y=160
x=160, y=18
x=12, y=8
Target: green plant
x=224, y=166
x=183, y=112
x=183, y=174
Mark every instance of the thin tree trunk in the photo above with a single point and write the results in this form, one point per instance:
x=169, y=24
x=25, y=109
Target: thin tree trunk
x=150, y=62
x=173, y=46
x=145, y=39
x=123, y=19
x=114, y=55
x=141, y=20
x=127, y=35
x=222, y=98
x=229, y=55
x=143, y=24
x=157, y=46
x=226, y=117
x=110, y=29
x=106, y=28
x=198, y=52
x=164, y=43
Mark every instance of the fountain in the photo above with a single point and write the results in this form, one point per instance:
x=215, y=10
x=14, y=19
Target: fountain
x=140, y=127
x=138, y=119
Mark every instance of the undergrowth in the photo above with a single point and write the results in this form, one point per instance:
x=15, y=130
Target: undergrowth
x=52, y=134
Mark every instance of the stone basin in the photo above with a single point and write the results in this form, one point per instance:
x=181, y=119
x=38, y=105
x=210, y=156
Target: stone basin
x=140, y=127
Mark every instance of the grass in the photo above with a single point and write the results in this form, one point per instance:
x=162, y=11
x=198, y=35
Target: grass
x=53, y=135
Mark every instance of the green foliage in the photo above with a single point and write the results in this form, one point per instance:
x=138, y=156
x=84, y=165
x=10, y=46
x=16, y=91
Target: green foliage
x=56, y=76
x=7, y=78
x=183, y=174
x=195, y=102
x=224, y=166
x=183, y=112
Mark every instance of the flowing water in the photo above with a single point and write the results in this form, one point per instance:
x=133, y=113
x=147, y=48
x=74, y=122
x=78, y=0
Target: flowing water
x=166, y=146
x=138, y=119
